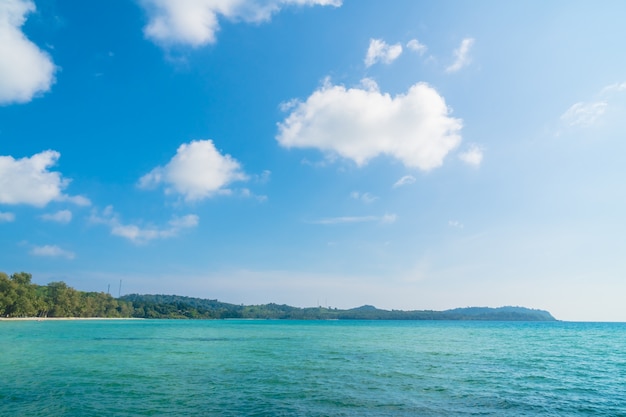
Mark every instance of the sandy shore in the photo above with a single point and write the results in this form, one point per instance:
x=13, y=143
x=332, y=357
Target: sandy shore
x=64, y=318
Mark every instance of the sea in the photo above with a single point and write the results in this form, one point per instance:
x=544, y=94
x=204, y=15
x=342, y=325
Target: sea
x=311, y=368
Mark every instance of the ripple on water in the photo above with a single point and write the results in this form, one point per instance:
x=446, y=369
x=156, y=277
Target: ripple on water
x=312, y=369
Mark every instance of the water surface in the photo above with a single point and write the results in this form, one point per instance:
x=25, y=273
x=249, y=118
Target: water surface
x=312, y=368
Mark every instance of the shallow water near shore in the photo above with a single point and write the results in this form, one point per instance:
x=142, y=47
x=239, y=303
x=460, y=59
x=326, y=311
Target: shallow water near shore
x=311, y=368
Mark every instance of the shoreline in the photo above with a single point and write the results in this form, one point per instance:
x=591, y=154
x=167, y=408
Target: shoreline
x=65, y=318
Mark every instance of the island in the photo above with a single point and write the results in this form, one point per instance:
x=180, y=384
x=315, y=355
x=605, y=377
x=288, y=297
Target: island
x=20, y=298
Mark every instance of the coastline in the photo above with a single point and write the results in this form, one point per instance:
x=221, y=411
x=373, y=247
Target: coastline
x=65, y=318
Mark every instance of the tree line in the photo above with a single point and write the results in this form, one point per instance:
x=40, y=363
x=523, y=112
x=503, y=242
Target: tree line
x=19, y=297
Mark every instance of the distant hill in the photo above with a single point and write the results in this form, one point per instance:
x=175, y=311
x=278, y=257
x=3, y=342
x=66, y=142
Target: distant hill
x=19, y=297
x=503, y=313
x=173, y=306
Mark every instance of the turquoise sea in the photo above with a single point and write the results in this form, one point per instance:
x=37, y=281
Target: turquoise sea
x=311, y=368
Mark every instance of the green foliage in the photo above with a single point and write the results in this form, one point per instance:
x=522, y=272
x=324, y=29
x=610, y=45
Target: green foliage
x=173, y=306
x=20, y=298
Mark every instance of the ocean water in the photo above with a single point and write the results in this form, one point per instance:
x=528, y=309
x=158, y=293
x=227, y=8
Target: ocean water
x=311, y=368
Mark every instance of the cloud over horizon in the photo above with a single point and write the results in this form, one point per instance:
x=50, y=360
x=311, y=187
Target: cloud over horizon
x=362, y=123
x=197, y=171
x=195, y=22
x=25, y=70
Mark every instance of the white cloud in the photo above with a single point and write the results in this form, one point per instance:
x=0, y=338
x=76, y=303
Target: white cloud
x=285, y=106
x=367, y=198
x=246, y=193
x=185, y=222
x=25, y=70
x=29, y=181
x=415, y=46
x=62, y=216
x=79, y=200
x=473, y=156
x=264, y=177
x=587, y=114
x=359, y=124
x=387, y=218
x=6, y=217
x=197, y=171
x=584, y=114
x=617, y=87
x=141, y=235
x=52, y=251
x=461, y=55
x=380, y=51
x=368, y=84
x=405, y=180
x=455, y=224
x=195, y=22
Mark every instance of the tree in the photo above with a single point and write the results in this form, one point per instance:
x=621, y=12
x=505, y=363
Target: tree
x=7, y=295
x=60, y=299
x=25, y=296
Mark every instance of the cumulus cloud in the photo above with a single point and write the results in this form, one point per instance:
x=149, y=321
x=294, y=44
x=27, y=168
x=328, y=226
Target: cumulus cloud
x=62, y=216
x=29, y=181
x=473, y=156
x=25, y=70
x=380, y=51
x=584, y=114
x=52, y=251
x=197, y=171
x=367, y=198
x=359, y=124
x=405, y=180
x=195, y=22
x=461, y=54
x=387, y=218
x=415, y=46
x=6, y=217
x=138, y=234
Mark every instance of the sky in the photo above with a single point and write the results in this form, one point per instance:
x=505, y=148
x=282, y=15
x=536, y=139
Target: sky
x=408, y=154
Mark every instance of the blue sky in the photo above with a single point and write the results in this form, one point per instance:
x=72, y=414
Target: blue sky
x=406, y=154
